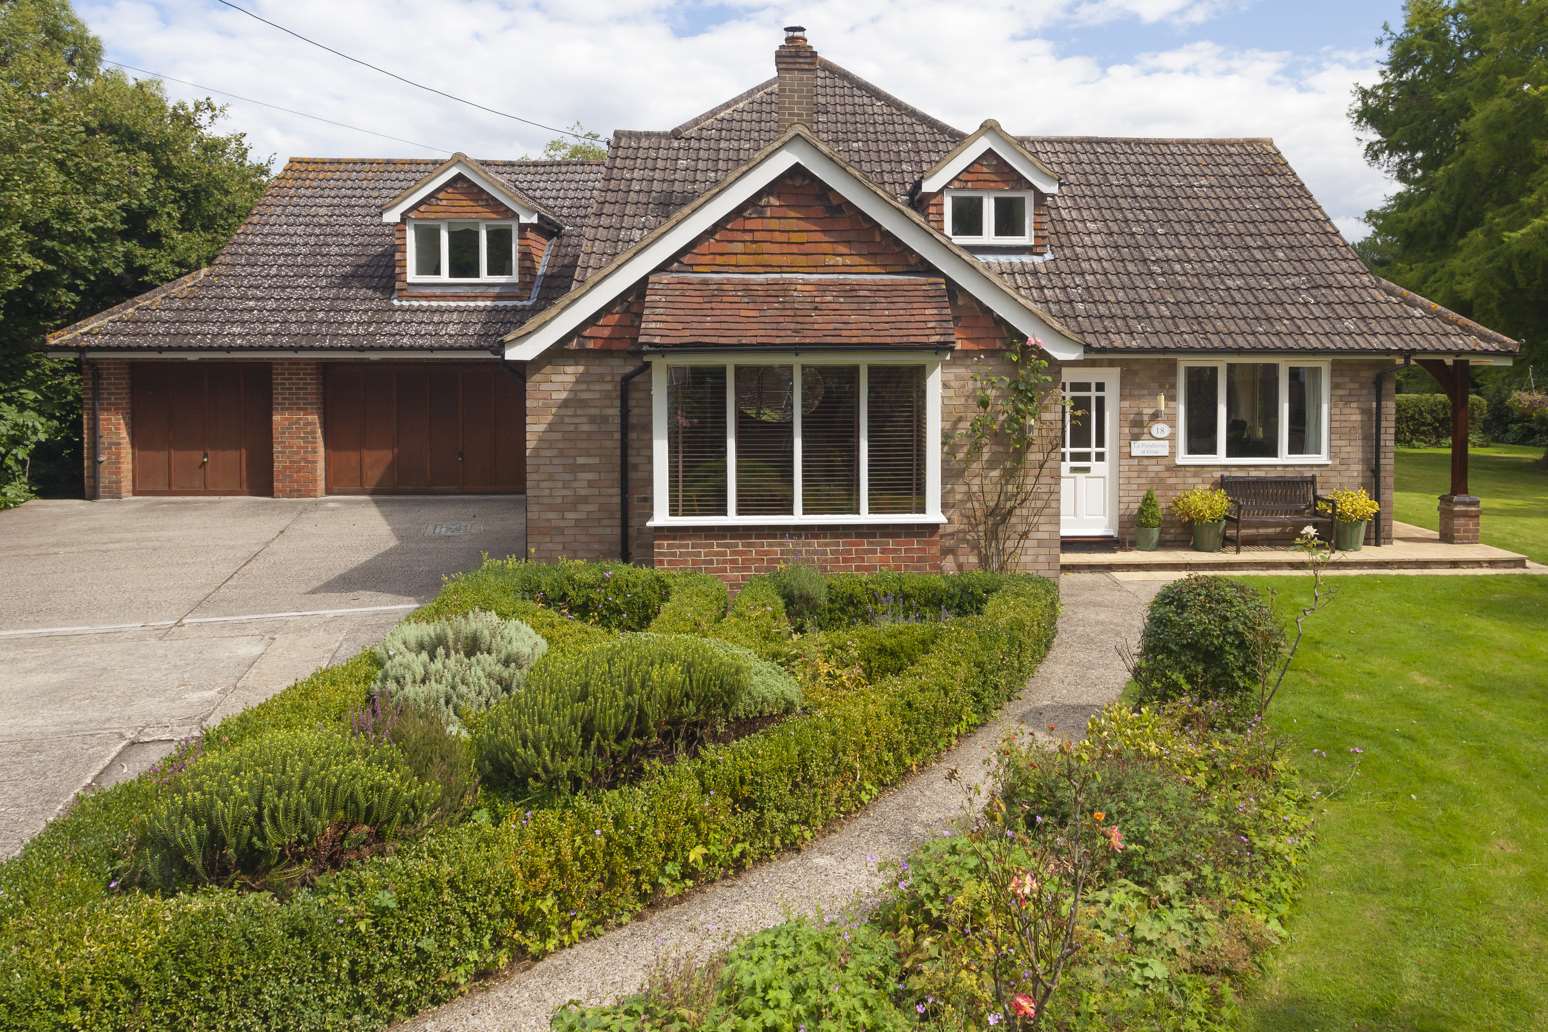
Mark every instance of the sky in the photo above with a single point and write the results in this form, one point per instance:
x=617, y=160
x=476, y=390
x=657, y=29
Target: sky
x=1279, y=68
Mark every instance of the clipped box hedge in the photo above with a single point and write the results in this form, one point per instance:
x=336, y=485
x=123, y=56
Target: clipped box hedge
x=1424, y=420
x=391, y=935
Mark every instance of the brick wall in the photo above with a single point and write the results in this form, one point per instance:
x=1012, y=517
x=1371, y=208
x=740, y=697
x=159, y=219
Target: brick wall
x=298, y=428
x=113, y=475
x=736, y=553
x=1351, y=421
x=572, y=456
x=989, y=172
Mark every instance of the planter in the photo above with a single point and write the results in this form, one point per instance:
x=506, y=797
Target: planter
x=1348, y=537
x=1147, y=539
x=1208, y=537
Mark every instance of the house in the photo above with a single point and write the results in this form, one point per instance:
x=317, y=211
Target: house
x=744, y=341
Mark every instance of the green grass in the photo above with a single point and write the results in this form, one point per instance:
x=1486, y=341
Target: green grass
x=1425, y=904
x=1513, y=486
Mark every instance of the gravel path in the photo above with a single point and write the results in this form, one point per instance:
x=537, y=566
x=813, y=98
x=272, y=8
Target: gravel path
x=1081, y=672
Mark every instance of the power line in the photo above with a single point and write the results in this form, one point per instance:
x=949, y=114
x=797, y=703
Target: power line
x=395, y=75
x=276, y=107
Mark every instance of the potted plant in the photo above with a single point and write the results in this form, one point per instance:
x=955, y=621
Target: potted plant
x=1205, y=509
x=1148, y=523
x=1352, y=509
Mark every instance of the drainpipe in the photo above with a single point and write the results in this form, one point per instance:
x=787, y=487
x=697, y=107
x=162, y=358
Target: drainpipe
x=519, y=372
x=1408, y=360
x=96, y=428
x=623, y=458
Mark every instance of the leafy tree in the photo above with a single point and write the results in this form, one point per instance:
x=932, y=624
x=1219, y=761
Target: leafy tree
x=1459, y=119
x=106, y=189
x=584, y=145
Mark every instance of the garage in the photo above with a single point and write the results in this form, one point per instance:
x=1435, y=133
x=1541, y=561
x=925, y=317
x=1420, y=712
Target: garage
x=425, y=428
x=201, y=428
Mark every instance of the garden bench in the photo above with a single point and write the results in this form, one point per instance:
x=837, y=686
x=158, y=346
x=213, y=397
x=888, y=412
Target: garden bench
x=1276, y=502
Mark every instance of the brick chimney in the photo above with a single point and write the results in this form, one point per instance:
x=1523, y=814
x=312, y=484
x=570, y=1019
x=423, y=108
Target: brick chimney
x=796, y=64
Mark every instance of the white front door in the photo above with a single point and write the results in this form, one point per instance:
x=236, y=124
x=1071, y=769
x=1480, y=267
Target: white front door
x=1088, y=467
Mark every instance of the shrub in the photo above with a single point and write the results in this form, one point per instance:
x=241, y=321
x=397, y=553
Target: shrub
x=804, y=591
x=794, y=975
x=428, y=749
x=1206, y=638
x=277, y=809
x=757, y=620
x=878, y=651
x=697, y=602
x=1424, y=420
x=1149, y=514
x=855, y=599
x=1353, y=505
x=457, y=666
x=1201, y=505
x=584, y=721
x=771, y=691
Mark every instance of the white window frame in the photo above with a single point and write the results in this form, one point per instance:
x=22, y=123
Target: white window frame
x=483, y=226
x=661, y=459
x=1284, y=458
x=988, y=236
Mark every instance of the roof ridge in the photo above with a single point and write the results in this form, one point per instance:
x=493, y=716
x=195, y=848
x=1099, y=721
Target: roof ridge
x=1074, y=138
x=903, y=105
x=699, y=120
x=1423, y=304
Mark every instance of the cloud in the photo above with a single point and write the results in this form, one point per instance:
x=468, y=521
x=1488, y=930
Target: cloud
x=650, y=64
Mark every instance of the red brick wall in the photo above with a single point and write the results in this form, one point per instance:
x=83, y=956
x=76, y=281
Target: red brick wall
x=113, y=475
x=736, y=553
x=298, y=428
x=989, y=172
x=798, y=225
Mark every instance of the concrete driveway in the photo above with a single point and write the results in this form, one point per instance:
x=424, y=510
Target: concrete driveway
x=127, y=625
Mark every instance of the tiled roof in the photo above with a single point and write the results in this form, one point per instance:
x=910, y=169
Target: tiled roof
x=313, y=267
x=1155, y=244
x=688, y=309
x=1180, y=245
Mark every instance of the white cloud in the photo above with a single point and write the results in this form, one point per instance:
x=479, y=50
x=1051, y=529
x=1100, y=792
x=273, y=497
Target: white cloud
x=619, y=64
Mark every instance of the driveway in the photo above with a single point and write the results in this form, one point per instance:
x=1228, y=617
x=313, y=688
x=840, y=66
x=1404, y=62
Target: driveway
x=127, y=625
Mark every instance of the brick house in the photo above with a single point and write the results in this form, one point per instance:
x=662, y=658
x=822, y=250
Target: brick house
x=745, y=340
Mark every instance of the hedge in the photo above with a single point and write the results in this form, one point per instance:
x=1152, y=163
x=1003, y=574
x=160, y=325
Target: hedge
x=1424, y=420
x=390, y=935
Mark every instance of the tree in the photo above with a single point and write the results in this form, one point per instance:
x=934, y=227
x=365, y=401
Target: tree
x=1459, y=119
x=106, y=189
x=581, y=145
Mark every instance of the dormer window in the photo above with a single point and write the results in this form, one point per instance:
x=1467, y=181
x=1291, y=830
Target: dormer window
x=993, y=217
x=462, y=252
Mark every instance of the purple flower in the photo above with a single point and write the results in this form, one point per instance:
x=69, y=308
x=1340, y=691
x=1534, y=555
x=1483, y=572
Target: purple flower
x=994, y=1019
x=920, y=1007
x=1356, y=749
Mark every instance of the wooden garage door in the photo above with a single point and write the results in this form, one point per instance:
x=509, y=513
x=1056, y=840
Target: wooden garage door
x=201, y=428
x=442, y=428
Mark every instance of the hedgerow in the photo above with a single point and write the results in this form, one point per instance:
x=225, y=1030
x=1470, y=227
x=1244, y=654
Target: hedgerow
x=391, y=934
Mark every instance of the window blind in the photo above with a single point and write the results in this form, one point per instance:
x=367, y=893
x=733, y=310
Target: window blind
x=895, y=416
x=830, y=440
x=696, y=428
x=765, y=440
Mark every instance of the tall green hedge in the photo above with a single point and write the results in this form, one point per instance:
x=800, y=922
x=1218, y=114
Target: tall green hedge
x=388, y=936
x=1424, y=420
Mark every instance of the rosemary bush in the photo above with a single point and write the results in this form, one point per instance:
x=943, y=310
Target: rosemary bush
x=458, y=666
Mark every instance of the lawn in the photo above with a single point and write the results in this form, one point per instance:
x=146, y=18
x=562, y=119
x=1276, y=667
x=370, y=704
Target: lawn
x=1513, y=486
x=1425, y=903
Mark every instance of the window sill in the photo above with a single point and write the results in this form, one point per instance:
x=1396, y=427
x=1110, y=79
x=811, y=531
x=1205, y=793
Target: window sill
x=873, y=520
x=1310, y=460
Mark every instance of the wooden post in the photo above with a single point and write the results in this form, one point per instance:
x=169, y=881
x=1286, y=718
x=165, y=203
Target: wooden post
x=1460, y=383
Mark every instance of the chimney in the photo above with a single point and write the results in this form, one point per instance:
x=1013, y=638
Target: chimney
x=796, y=64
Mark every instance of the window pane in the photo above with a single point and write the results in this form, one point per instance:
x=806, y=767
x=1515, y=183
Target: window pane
x=967, y=216
x=895, y=412
x=1252, y=410
x=830, y=440
x=765, y=440
x=696, y=441
x=1200, y=385
x=427, y=250
x=1306, y=406
x=1010, y=216
x=462, y=252
x=502, y=255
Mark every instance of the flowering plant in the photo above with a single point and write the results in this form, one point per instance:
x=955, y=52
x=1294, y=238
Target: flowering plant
x=1350, y=505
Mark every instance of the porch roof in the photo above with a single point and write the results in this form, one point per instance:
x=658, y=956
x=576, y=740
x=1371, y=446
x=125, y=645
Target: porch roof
x=719, y=310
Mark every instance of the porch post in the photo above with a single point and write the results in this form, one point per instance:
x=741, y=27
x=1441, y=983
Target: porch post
x=1460, y=511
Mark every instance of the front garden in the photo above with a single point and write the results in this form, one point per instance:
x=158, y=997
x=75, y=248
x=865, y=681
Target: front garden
x=538, y=754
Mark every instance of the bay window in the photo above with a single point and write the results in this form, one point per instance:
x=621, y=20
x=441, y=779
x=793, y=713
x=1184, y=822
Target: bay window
x=466, y=252
x=1246, y=412
x=796, y=441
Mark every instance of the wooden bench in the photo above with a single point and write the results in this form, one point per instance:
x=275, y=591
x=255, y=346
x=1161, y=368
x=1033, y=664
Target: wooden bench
x=1276, y=502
